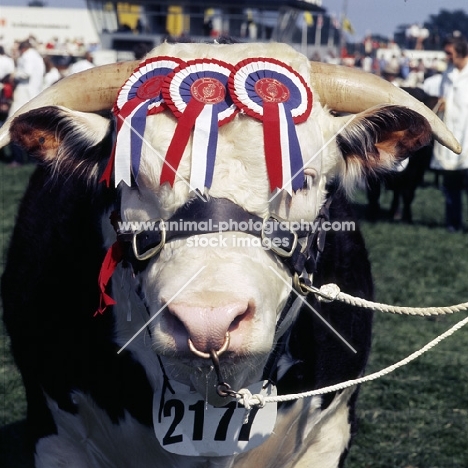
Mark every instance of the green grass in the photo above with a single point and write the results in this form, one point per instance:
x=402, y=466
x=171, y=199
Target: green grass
x=13, y=182
x=416, y=417
x=12, y=400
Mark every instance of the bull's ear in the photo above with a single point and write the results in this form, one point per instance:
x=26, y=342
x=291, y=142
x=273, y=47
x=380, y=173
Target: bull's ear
x=68, y=140
x=377, y=139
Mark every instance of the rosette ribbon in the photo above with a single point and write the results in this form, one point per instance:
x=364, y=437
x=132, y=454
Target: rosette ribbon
x=197, y=94
x=271, y=91
x=139, y=97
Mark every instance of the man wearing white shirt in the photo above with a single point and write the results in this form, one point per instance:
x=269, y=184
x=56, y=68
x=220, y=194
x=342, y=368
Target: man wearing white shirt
x=454, y=105
x=28, y=77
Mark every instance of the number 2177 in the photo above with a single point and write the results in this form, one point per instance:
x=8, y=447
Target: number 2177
x=176, y=409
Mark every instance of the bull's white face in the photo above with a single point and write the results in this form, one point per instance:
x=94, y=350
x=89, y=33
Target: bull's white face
x=204, y=286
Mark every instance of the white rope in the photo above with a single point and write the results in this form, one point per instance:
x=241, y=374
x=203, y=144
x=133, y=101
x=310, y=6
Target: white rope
x=331, y=292
x=255, y=399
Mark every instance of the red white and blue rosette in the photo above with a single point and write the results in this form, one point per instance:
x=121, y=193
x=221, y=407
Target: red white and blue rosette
x=271, y=91
x=139, y=97
x=197, y=93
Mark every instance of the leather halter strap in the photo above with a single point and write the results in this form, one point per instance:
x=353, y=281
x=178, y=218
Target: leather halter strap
x=218, y=215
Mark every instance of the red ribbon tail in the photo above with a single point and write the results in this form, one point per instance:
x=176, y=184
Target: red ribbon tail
x=112, y=258
x=107, y=174
x=272, y=142
x=179, y=141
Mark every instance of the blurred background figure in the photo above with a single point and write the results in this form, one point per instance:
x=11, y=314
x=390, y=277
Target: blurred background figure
x=52, y=74
x=454, y=109
x=7, y=68
x=7, y=64
x=85, y=63
x=28, y=76
x=141, y=49
x=27, y=81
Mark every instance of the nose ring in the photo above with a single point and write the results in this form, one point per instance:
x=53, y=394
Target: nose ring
x=224, y=347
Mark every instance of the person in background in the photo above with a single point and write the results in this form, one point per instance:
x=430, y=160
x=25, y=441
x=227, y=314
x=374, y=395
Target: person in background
x=404, y=66
x=454, y=108
x=367, y=63
x=7, y=68
x=7, y=64
x=28, y=76
x=83, y=64
x=28, y=80
x=52, y=74
x=141, y=49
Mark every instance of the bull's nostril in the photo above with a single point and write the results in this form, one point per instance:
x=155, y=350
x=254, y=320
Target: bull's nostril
x=224, y=347
x=211, y=323
x=236, y=322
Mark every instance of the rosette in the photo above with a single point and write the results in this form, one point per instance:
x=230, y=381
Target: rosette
x=139, y=97
x=271, y=91
x=196, y=92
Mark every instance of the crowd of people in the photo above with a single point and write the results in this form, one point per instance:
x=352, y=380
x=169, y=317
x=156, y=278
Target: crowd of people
x=447, y=81
x=24, y=73
x=450, y=85
x=399, y=67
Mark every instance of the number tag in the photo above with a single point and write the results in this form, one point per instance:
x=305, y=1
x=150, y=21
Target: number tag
x=186, y=425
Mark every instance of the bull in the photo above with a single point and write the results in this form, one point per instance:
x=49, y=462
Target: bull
x=160, y=252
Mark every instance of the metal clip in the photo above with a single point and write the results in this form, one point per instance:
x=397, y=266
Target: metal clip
x=153, y=251
x=275, y=248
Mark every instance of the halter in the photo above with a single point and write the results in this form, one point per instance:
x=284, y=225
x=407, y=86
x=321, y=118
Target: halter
x=218, y=215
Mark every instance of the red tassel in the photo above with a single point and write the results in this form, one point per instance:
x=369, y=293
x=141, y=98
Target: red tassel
x=113, y=257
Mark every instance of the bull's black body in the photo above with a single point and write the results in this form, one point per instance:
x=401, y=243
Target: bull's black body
x=50, y=294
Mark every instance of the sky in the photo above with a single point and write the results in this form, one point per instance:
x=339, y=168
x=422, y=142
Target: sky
x=383, y=16
x=366, y=16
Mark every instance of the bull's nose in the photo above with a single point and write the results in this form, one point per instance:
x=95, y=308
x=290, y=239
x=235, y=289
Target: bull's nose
x=208, y=327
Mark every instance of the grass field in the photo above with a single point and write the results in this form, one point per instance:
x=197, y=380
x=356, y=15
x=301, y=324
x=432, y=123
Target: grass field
x=416, y=417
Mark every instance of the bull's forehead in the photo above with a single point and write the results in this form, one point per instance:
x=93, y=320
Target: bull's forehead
x=234, y=53
x=240, y=172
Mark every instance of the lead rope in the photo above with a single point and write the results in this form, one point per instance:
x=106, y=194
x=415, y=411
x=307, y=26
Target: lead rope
x=331, y=292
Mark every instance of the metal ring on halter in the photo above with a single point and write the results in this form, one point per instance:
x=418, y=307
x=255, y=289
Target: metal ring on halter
x=224, y=347
x=300, y=286
x=224, y=390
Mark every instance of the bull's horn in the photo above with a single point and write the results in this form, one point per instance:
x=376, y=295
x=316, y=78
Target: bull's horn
x=92, y=90
x=346, y=89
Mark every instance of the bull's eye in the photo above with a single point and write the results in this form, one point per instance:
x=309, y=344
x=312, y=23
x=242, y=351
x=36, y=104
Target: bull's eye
x=308, y=182
x=310, y=176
